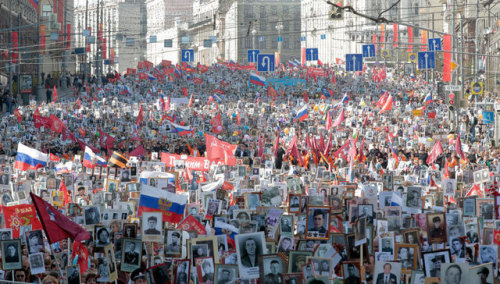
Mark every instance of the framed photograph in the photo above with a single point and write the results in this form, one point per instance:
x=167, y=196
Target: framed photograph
x=481, y=274
x=159, y=273
x=213, y=207
x=130, y=230
x=131, y=254
x=249, y=248
x=173, y=242
x=102, y=236
x=414, y=198
x=352, y=272
x=252, y=201
x=182, y=271
x=436, y=228
x=469, y=207
x=225, y=274
x=472, y=231
x=318, y=220
x=388, y=182
x=296, y=259
x=92, y=215
x=37, y=265
x=11, y=254
x=407, y=255
x=73, y=274
x=387, y=272
x=35, y=241
x=432, y=262
x=212, y=244
x=449, y=186
x=294, y=203
x=292, y=278
x=485, y=208
x=286, y=225
x=112, y=185
x=417, y=277
x=456, y=273
x=5, y=234
x=387, y=243
x=322, y=266
x=488, y=253
x=271, y=268
x=285, y=243
x=152, y=226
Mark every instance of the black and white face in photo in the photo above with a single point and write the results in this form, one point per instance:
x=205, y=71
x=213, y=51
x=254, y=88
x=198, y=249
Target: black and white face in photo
x=92, y=216
x=4, y=179
x=35, y=241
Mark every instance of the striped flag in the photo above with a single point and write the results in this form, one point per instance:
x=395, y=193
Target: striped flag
x=117, y=160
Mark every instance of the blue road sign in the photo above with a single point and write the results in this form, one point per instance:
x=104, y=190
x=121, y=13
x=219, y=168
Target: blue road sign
x=323, y=36
x=265, y=62
x=434, y=44
x=369, y=50
x=187, y=55
x=426, y=60
x=488, y=117
x=280, y=38
x=302, y=38
x=354, y=62
x=261, y=38
x=252, y=55
x=311, y=54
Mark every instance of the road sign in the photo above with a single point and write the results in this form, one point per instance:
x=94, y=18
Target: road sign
x=412, y=57
x=261, y=38
x=385, y=53
x=280, y=39
x=453, y=88
x=477, y=88
x=369, y=50
x=323, y=36
x=265, y=62
x=311, y=54
x=426, y=60
x=354, y=62
x=434, y=44
x=302, y=38
x=252, y=55
x=187, y=55
x=488, y=117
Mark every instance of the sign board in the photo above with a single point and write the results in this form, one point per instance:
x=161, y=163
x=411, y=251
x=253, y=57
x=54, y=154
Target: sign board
x=477, y=88
x=434, y=44
x=412, y=57
x=385, y=53
x=488, y=117
x=354, y=62
x=207, y=43
x=167, y=43
x=453, y=88
x=265, y=62
x=369, y=50
x=187, y=55
x=426, y=60
x=311, y=54
x=26, y=84
x=152, y=39
x=252, y=55
x=417, y=112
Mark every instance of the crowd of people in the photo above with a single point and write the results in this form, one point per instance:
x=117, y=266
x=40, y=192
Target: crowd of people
x=201, y=174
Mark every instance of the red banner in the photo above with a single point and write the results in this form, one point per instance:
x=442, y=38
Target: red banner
x=20, y=215
x=192, y=163
x=423, y=40
x=41, y=121
x=410, y=40
x=395, y=35
x=374, y=41
x=447, y=58
x=104, y=49
x=190, y=223
x=218, y=150
x=42, y=38
x=68, y=36
x=382, y=33
x=15, y=45
x=56, y=124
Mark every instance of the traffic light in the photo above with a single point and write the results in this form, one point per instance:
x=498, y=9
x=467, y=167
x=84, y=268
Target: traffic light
x=336, y=13
x=451, y=101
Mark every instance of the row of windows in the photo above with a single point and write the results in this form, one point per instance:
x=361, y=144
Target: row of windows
x=273, y=10
x=270, y=42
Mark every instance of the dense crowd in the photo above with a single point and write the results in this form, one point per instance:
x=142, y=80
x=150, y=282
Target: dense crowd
x=200, y=174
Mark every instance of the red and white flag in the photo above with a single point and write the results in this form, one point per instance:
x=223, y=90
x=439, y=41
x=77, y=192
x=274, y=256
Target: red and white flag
x=339, y=119
x=435, y=152
x=218, y=150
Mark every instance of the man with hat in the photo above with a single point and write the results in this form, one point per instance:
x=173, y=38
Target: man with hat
x=483, y=275
x=437, y=231
x=138, y=277
x=436, y=265
x=174, y=246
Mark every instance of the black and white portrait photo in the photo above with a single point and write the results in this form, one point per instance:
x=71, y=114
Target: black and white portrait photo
x=35, y=241
x=125, y=175
x=5, y=234
x=131, y=254
x=173, y=242
x=488, y=253
x=449, y=186
x=318, y=220
x=249, y=248
x=213, y=207
x=387, y=272
x=129, y=230
x=483, y=274
x=433, y=260
x=73, y=275
x=4, y=179
x=454, y=273
x=37, y=264
x=226, y=274
x=92, y=215
x=272, y=268
x=102, y=236
x=414, y=197
x=182, y=272
x=152, y=226
x=285, y=244
x=11, y=254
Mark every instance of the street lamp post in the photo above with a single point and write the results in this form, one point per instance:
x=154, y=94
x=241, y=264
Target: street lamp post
x=254, y=32
x=279, y=27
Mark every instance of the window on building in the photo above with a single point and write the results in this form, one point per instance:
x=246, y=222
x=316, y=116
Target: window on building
x=286, y=43
x=296, y=42
x=248, y=11
x=263, y=24
x=262, y=44
x=286, y=25
x=416, y=8
x=274, y=42
x=248, y=42
x=274, y=10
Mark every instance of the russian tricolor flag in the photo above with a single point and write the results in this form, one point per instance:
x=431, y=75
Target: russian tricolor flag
x=171, y=205
x=257, y=80
x=151, y=77
x=29, y=159
x=91, y=160
x=428, y=99
x=302, y=113
x=182, y=130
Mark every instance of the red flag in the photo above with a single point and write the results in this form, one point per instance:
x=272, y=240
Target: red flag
x=83, y=256
x=361, y=157
x=82, y=132
x=271, y=92
x=197, y=81
x=328, y=123
x=140, y=117
x=294, y=152
x=167, y=104
x=18, y=115
x=56, y=124
x=185, y=92
x=475, y=190
x=496, y=237
x=410, y=40
x=395, y=35
x=238, y=119
x=261, y=146
x=191, y=101
x=387, y=106
x=137, y=152
x=54, y=96
x=334, y=79
x=63, y=188
x=218, y=150
x=365, y=121
x=57, y=226
x=53, y=157
x=435, y=152
x=20, y=215
x=277, y=143
x=339, y=119
x=458, y=148
x=320, y=63
x=305, y=95
x=446, y=58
